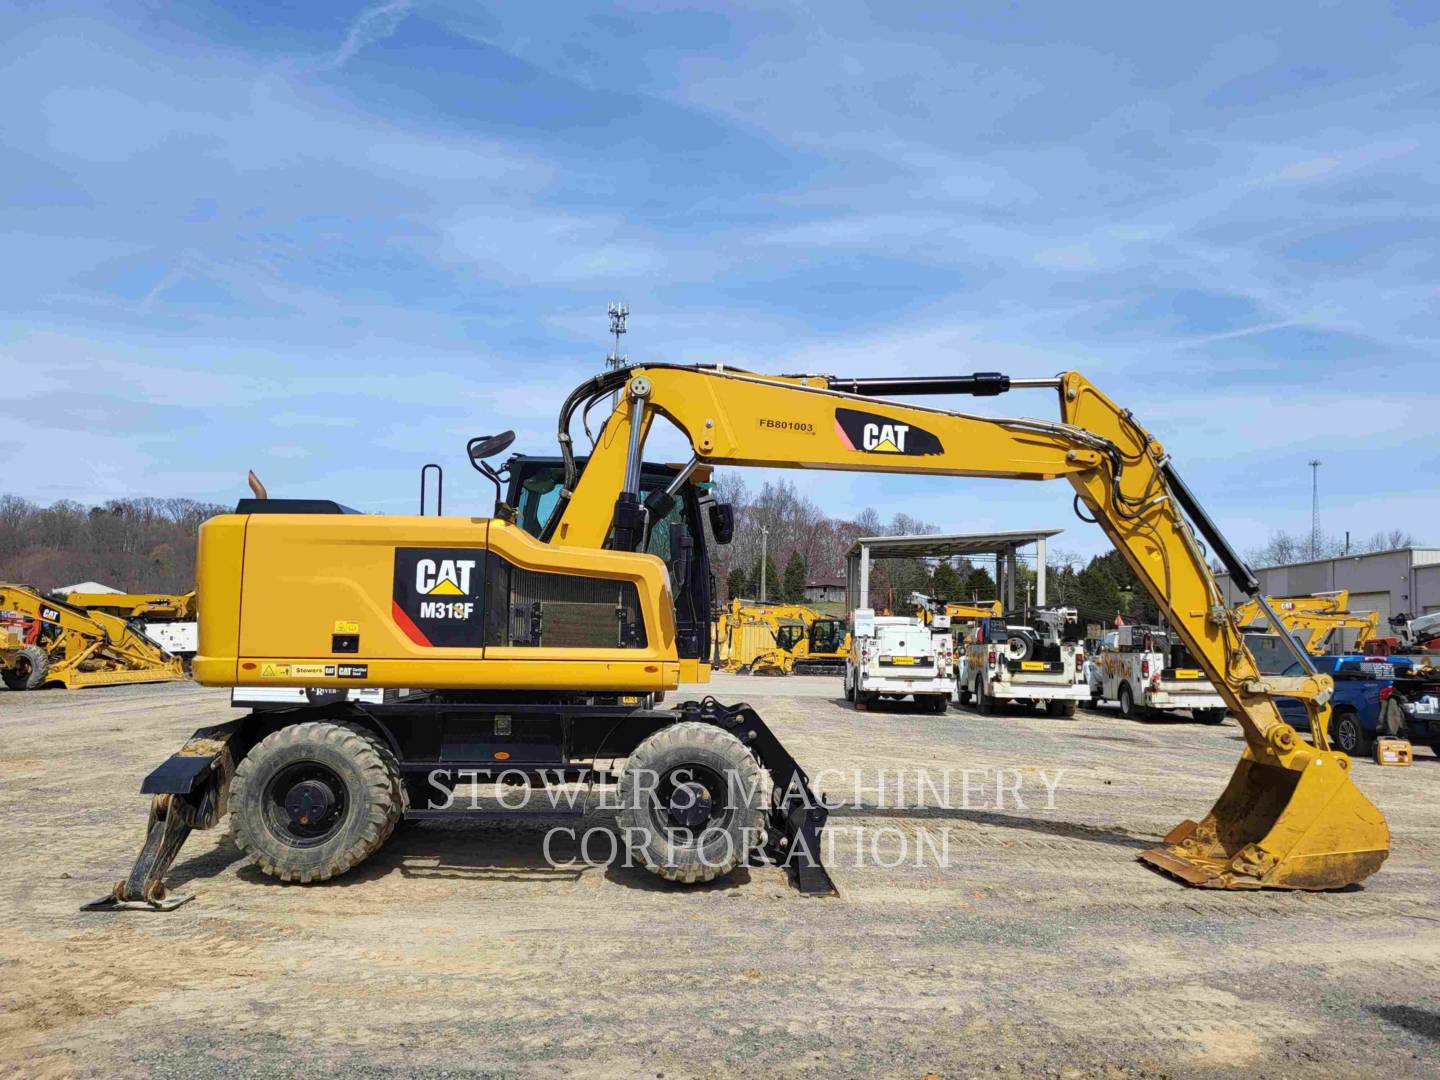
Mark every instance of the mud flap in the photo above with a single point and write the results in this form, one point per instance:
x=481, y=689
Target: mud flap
x=1293, y=822
x=190, y=790
x=797, y=815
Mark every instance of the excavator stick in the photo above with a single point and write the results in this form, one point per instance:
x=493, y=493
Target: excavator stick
x=1303, y=825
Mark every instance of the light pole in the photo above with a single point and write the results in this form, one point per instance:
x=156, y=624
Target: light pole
x=764, y=557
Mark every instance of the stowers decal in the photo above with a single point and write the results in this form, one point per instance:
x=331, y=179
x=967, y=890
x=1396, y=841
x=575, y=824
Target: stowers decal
x=436, y=601
x=872, y=434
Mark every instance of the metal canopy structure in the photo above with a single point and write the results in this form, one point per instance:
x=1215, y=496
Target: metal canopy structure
x=1002, y=546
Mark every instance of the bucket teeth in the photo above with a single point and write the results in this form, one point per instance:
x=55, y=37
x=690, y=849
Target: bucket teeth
x=1298, y=825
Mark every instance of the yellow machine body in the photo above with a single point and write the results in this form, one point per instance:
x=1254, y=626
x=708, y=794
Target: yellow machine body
x=360, y=600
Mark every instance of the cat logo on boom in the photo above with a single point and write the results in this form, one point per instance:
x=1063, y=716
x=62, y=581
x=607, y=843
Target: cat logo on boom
x=869, y=433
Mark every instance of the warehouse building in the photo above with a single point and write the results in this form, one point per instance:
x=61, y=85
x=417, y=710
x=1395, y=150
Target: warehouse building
x=1406, y=580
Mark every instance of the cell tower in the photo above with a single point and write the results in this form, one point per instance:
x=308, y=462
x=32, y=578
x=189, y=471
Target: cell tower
x=619, y=312
x=1315, y=464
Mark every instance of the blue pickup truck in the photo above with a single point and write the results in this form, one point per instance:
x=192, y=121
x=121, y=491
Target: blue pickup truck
x=1363, y=687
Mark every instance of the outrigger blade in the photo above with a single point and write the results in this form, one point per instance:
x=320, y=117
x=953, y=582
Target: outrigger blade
x=189, y=791
x=1302, y=824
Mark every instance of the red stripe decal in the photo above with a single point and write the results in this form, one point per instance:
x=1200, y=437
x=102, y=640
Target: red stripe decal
x=412, y=631
x=844, y=439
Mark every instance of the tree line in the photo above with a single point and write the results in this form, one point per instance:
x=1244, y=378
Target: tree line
x=135, y=545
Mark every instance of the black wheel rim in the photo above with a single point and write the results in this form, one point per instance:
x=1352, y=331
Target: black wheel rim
x=304, y=804
x=689, y=800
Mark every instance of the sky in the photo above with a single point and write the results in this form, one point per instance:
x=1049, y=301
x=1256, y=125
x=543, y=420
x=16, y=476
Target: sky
x=330, y=242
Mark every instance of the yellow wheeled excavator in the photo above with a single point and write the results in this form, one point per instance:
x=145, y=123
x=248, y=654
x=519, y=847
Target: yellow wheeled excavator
x=548, y=632
x=57, y=642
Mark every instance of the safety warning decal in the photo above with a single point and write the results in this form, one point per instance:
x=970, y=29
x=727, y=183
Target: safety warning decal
x=437, y=596
x=872, y=434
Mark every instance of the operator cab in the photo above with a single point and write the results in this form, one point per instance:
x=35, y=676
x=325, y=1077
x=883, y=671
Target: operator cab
x=678, y=539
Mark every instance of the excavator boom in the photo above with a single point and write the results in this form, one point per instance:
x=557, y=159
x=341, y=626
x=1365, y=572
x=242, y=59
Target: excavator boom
x=1290, y=816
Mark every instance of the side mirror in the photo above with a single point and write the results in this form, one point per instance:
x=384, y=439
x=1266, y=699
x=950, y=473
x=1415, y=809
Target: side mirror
x=484, y=446
x=722, y=522
x=682, y=554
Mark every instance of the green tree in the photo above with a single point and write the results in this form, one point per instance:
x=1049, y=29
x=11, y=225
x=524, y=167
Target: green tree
x=948, y=584
x=736, y=584
x=795, y=574
x=978, y=585
x=773, y=584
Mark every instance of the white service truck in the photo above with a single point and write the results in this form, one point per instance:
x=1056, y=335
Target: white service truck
x=1035, y=661
x=1144, y=669
x=895, y=657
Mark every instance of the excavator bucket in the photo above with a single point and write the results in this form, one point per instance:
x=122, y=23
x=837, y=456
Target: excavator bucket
x=1298, y=825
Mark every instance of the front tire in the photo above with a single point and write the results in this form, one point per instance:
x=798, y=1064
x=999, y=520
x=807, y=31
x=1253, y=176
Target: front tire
x=693, y=801
x=313, y=800
x=28, y=670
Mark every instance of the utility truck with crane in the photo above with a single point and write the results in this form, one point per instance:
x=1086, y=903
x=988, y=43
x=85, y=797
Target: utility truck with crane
x=893, y=657
x=1037, y=660
x=1143, y=670
x=545, y=651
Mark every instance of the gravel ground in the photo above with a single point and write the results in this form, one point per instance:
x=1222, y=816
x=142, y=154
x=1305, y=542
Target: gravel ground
x=1008, y=940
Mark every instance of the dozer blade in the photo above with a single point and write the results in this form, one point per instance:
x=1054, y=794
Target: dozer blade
x=1298, y=825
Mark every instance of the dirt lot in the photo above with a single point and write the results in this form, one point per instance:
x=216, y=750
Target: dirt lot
x=1043, y=948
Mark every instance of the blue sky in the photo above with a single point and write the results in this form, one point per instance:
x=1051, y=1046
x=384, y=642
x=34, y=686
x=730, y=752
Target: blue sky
x=329, y=242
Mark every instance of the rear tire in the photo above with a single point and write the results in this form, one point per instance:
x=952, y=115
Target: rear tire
x=1127, y=702
x=28, y=669
x=313, y=800
x=728, y=776
x=1062, y=709
x=938, y=705
x=1210, y=716
x=983, y=703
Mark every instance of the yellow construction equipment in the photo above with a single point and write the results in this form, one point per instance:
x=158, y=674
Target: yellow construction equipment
x=960, y=613
x=58, y=642
x=1313, y=619
x=545, y=650
x=779, y=639
x=747, y=637
x=145, y=606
